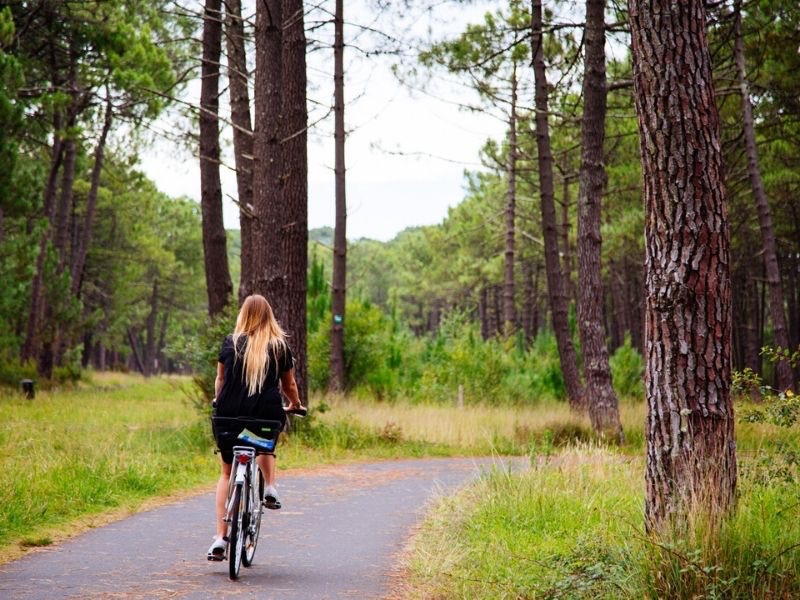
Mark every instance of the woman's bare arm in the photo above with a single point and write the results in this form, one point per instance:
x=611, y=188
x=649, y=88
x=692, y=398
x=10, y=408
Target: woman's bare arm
x=219, y=380
x=289, y=387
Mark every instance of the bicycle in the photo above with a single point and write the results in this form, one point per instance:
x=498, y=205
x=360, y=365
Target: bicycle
x=244, y=503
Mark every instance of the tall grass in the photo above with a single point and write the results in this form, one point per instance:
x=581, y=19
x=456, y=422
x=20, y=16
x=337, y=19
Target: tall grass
x=476, y=429
x=572, y=528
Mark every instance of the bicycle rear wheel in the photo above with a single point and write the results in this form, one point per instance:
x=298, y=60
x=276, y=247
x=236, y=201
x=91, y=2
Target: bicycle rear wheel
x=237, y=534
x=254, y=512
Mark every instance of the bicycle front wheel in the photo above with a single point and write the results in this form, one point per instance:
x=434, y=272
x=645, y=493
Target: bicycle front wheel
x=254, y=512
x=237, y=534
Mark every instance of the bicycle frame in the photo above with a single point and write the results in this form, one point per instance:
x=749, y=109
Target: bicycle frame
x=243, y=505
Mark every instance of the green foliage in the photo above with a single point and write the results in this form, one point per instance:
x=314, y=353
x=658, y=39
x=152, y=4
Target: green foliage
x=458, y=357
x=782, y=354
x=201, y=351
x=781, y=409
x=540, y=371
x=777, y=407
x=627, y=371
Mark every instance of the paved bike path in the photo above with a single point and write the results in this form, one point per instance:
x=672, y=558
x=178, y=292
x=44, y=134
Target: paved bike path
x=338, y=536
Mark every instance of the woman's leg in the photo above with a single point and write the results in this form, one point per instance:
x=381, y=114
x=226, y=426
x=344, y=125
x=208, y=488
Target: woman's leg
x=222, y=495
x=266, y=462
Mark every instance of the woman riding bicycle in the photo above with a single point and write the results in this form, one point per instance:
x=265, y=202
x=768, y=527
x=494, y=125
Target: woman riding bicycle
x=255, y=365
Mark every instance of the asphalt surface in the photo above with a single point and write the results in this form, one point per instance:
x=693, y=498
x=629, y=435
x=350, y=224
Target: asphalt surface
x=338, y=535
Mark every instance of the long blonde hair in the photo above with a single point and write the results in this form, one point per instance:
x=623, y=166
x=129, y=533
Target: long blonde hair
x=264, y=337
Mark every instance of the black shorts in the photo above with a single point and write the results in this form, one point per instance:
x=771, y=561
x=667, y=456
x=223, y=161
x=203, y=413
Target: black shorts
x=225, y=444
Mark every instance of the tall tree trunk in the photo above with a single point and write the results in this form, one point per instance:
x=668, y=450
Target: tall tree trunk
x=528, y=300
x=268, y=279
x=780, y=335
x=566, y=249
x=137, y=354
x=559, y=301
x=483, y=313
x=691, y=457
x=150, y=333
x=536, y=304
x=498, y=310
x=294, y=144
x=31, y=347
x=338, y=296
x=91, y=202
x=600, y=395
x=242, y=139
x=509, y=310
x=215, y=244
x=65, y=203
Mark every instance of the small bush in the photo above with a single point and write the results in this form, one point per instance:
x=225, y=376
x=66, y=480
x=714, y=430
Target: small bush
x=627, y=370
x=12, y=372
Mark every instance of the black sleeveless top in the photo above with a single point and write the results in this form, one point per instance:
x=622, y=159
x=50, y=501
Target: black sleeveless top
x=234, y=400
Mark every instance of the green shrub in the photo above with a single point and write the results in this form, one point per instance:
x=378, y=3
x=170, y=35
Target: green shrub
x=71, y=371
x=537, y=375
x=12, y=372
x=627, y=370
x=458, y=356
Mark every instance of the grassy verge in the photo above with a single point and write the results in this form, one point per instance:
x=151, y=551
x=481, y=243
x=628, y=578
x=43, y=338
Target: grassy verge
x=571, y=528
x=106, y=445
x=73, y=457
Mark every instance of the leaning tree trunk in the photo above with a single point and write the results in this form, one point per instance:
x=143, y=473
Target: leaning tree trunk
x=215, y=245
x=691, y=458
x=242, y=139
x=559, y=302
x=338, y=296
x=600, y=395
x=82, y=250
x=780, y=335
x=294, y=146
x=509, y=311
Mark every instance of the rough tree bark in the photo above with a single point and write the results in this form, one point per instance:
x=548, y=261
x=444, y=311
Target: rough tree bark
x=559, y=301
x=294, y=144
x=242, y=138
x=600, y=395
x=780, y=335
x=268, y=278
x=509, y=310
x=691, y=457
x=338, y=296
x=281, y=170
x=215, y=245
